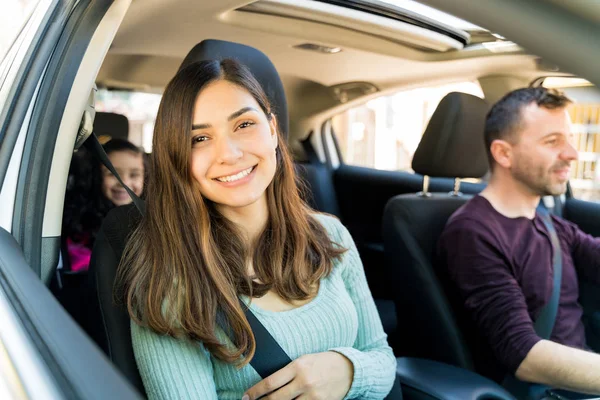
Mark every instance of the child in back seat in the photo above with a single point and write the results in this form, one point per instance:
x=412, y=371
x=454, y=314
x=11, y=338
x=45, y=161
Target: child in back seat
x=92, y=191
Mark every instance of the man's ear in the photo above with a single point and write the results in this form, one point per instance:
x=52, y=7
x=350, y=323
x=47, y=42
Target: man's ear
x=502, y=152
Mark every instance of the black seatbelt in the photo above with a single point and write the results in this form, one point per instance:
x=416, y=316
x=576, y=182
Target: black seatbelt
x=309, y=150
x=269, y=357
x=94, y=146
x=544, y=324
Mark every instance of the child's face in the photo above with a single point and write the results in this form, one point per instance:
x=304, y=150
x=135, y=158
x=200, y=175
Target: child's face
x=130, y=167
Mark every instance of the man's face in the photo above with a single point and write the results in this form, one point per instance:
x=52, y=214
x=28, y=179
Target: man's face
x=542, y=155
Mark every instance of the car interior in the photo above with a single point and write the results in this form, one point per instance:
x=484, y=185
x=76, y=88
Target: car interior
x=322, y=63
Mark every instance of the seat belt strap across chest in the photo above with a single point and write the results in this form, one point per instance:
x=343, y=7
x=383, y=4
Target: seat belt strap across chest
x=544, y=323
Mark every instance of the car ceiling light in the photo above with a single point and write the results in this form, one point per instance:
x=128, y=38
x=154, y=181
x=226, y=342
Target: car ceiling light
x=501, y=47
x=318, y=48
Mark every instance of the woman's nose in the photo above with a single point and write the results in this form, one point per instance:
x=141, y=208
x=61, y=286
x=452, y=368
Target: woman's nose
x=228, y=151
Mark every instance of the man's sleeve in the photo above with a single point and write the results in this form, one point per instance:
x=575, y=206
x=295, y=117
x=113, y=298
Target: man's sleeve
x=585, y=250
x=490, y=293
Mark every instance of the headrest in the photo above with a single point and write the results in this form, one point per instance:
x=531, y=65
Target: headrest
x=115, y=126
x=453, y=144
x=259, y=65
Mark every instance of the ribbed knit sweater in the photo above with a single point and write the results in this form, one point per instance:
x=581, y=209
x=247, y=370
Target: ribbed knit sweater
x=342, y=318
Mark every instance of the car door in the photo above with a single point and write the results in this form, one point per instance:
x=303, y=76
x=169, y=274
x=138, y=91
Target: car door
x=48, y=68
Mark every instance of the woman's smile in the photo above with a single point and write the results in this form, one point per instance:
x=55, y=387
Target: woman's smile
x=237, y=177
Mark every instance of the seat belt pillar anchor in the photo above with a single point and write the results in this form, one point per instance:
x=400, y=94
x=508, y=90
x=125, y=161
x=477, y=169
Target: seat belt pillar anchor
x=456, y=191
x=425, y=192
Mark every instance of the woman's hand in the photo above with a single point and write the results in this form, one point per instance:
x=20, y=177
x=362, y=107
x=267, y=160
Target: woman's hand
x=325, y=375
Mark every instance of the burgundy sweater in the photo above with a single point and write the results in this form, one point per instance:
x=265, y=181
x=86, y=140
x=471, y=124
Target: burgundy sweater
x=502, y=268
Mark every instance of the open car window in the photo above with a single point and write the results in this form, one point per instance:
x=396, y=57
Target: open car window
x=140, y=108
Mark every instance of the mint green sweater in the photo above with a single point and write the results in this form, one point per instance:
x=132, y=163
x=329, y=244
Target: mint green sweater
x=342, y=318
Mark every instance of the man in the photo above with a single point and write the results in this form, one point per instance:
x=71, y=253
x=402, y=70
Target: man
x=499, y=253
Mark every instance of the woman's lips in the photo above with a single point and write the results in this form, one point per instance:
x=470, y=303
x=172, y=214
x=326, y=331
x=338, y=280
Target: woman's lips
x=238, y=182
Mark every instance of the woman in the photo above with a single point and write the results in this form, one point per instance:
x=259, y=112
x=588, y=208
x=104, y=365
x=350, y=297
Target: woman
x=92, y=191
x=225, y=222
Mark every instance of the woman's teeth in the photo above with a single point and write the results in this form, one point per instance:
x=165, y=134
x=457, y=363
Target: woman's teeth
x=238, y=176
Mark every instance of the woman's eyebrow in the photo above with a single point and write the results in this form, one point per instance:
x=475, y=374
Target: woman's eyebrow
x=232, y=116
x=240, y=112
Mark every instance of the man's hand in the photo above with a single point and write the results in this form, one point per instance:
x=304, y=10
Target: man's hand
x=325, y=375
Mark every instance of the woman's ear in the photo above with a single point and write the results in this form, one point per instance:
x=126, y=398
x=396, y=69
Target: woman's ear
x=273, y=125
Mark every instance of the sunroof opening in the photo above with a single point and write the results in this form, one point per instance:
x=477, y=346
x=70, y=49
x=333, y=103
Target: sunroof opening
x=402, y=10
x=413, y=12
x=432, y=13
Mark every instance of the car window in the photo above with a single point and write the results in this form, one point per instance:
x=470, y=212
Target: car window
x=13, y=18
x=385, y=132
x=140, y=108
x=585, y=114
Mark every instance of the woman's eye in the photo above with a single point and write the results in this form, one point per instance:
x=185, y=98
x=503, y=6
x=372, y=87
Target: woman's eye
x=245, y=124
x=199, y=139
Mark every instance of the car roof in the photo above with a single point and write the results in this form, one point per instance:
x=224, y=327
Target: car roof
x=156, y=35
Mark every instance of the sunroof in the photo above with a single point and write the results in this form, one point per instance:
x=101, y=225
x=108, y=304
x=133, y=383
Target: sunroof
x=413, y=13
x=431, y=13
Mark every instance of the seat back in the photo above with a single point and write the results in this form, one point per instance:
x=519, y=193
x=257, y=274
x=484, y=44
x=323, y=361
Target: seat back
x=452, y=146
x=316, y=179
x=109, y=125
x=111, y=325
x=430, y=325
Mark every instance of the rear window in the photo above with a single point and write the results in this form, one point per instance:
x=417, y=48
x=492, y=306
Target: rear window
x=385, y=132
x=139, y=107
x=585, y=115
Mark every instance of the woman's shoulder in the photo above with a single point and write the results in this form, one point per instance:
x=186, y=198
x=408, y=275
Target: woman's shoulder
x=327, y=220
x=330, y=222
x=334, y=227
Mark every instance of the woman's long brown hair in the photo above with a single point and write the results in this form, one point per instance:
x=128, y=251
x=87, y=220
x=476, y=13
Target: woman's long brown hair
x=185, y=263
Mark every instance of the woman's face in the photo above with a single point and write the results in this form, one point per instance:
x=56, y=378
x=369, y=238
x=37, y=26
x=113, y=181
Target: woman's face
x=233, y=146
x=130, y=167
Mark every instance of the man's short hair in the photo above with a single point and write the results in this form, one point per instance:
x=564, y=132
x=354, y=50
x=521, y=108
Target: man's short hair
x=504, y=119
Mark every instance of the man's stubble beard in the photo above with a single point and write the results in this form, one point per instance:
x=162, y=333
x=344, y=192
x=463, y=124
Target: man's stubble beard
x=537, y=179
